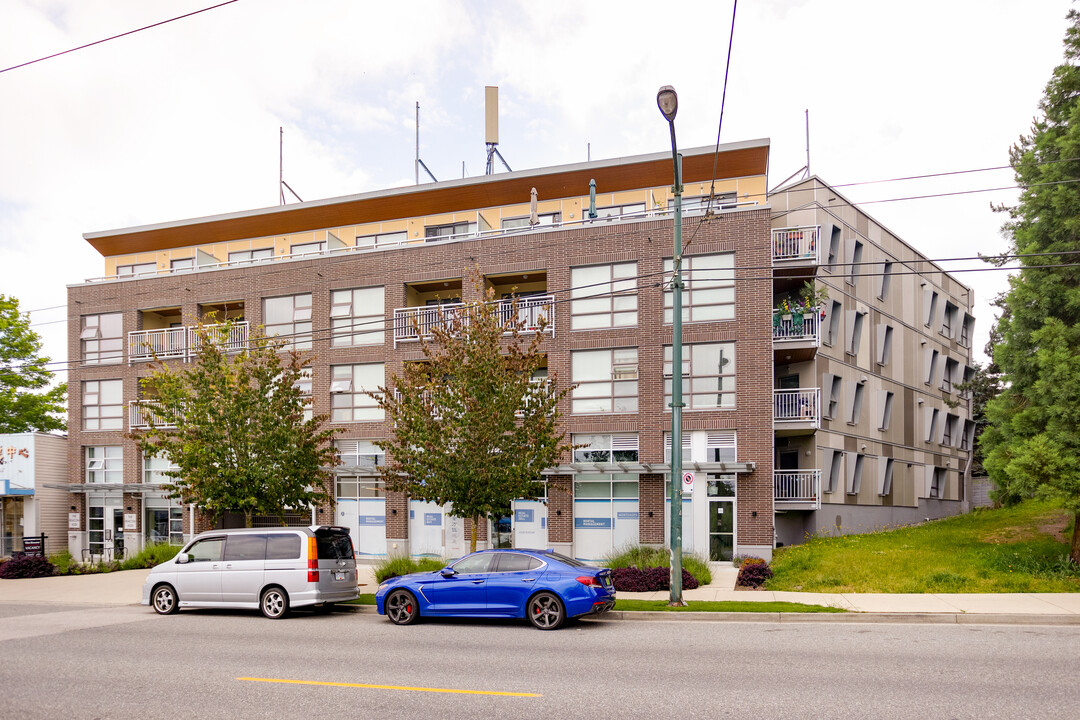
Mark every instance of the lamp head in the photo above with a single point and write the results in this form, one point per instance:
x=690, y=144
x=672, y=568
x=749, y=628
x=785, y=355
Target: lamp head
x=668, y=102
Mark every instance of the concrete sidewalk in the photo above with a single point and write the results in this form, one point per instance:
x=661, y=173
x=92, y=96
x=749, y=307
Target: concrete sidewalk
x=125, y=588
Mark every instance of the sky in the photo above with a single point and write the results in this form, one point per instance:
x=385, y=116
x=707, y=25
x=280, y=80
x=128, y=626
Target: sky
x=182, y=120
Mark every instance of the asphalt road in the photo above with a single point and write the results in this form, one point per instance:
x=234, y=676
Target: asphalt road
x=126, y=662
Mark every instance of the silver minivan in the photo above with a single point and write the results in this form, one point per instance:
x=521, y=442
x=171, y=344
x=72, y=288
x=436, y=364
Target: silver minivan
x=272, y=569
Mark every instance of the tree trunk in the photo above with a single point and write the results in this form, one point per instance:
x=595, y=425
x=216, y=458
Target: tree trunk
x=472, y=541
x=248, y=519
x=1075, y=552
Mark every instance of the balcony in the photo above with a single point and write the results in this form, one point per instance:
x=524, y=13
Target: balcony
x=796, y=411
x=797, y=489
x=413, y=323
x=796, y=336
x=796, y=244
x=182, y=342
x=138, y=413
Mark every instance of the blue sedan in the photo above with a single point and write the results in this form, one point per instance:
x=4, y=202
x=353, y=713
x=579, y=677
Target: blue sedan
x=543, y=586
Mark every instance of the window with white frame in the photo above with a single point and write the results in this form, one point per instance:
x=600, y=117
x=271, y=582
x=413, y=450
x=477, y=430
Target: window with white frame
x=708, y=375
x=443, y=232
x=103, y=404
x=709, y=292
x=607, y=380
x=720, y=201
x=626, y=209
x=303, y=385
x=552, y=218
x=248, y=256
x=104, y=464
x=136, y=269
x=357, y=317
x=352, y=488
x=308, y=248
x=381, y=239
x=289, y=316
x=606, y=449
x=181, y=264
x=155, y=468
x=360, y=453
x=603, y=296
x=717, y=445
x=348, y=387
x=102, y=338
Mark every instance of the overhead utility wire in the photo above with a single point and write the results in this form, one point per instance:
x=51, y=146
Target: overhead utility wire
x=114, y=37
x=723, y=101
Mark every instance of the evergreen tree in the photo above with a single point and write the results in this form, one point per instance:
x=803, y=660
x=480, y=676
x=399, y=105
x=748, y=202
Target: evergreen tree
x=25, y=405
x=1032, y=445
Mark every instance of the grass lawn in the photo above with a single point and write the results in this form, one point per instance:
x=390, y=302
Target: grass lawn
x=724, y=606
x=1020, y=549
x=364, y=599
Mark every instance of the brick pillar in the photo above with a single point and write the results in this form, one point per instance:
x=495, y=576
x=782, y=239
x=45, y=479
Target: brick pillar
x=397, y=523
x=560, y=509
x=651, y=509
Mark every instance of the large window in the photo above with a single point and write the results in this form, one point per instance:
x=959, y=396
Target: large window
x=708, y=376
x=360, y=487
x=136, y=269
x=359, y=453
x=710, y=288
x=102, y=339
x=357, y=317
x=289, y=317
x=553, y=218
x=607, y=381
x=603, y=296
x=348, y=387
x=105, y=464
x=155, y=467
x=249, y=256
x=606, y=449
x=103, y=405
x=442, y=232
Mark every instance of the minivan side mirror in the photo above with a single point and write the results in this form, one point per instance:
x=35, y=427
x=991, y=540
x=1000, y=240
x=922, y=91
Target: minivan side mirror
x=183, y=558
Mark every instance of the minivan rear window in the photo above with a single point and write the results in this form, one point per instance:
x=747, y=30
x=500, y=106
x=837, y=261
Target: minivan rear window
x=283, y=546
x=333, y=545
x=245, y=547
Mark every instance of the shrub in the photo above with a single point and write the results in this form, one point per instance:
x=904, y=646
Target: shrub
x=650, y=579
x=738, y=560
x=149, y=556
x=753, y=573
x=27, y=566
x=400, y=565
x=641, y=556
x=63, y=561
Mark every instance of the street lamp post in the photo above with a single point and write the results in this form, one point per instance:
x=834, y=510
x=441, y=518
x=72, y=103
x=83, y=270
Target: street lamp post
x=668, y=102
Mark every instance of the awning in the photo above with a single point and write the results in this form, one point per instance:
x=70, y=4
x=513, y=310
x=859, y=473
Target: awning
x=6, y=488
x=650, y=468
x=107, y=488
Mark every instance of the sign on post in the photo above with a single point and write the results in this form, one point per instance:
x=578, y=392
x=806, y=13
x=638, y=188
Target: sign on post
x=687, y=483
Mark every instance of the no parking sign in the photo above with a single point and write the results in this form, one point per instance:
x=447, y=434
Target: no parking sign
x=687, y=483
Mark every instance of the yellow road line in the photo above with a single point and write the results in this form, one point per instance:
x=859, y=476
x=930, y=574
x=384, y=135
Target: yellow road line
x=390, y=687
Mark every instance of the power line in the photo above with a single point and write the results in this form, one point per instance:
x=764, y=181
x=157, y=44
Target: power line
x=114, y=37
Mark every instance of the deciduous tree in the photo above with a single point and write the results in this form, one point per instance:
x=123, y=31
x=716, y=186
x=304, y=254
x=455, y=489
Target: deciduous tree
x=25, y=403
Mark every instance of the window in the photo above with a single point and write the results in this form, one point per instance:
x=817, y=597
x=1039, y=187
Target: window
x=208, y=550
x=831, y=390
x=381, y=239
x=155, y=467
x=931, y=357
x=290, y=317
x=619, y=210
x=348, y=385
x=950, y=375
x=885, y=475
x=720, y=446
x=102, y=339
x=884, y=343
x=832, y=322
x=831, y=460
x=360, y=487
x=855, y=252
x=854, y=472
x=136, y=269
x=357, y=317
x=967, y=438
x=182, y=264
x=103, y=405
x=474, y=564
x=721, y=201
x=606, y=448
x=360, y=453
x=931, y=416
x=601, y=489
x=834, y=248
x=553, y=218
x=708, y=376
x=930, y=301
x=949, y=319
x=283, y=546
x=936, y=484
x=884, y=280
x=248, y=256
x=245, y=547
x=303, y=385
x=964, y=332
x=854, y=328
x=855, y=399
x=607, y=380
x=709, y=292
x=950, y=432
x=886, y=409
x=516, y=562
x=307, y=248
x=442, y=232
x=165, y=524
x=603, y=296
x=105, y=464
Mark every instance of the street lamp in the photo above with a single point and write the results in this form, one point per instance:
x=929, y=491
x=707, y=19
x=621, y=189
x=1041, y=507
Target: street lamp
x=668, y=102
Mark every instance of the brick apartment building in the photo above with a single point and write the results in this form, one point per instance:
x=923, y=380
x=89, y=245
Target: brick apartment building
x=344, y=279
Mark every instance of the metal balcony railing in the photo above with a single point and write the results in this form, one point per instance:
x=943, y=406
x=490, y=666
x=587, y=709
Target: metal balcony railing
x=797, y=406
x=164, y=343
x=530, y=310
x=797, y=486
x=232, y=341
x=140, y=410
x=796, y=243
x=798, y=326
x=413, y=323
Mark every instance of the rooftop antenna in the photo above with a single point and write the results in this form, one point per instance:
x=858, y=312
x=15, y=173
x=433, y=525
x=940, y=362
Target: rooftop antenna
x=420, y=163
x=282, y=185
x=491, y=129
x=804, y=171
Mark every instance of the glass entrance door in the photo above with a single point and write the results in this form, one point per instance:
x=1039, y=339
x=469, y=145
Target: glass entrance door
x=721, y=529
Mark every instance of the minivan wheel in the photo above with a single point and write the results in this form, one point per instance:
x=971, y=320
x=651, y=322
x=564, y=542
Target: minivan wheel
x=164, y=600
x=546, y=611
x=274, y=603
x=401, y=607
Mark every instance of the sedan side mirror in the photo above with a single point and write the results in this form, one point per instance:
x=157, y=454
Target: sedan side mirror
x=448, y=572
x=183, y=558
